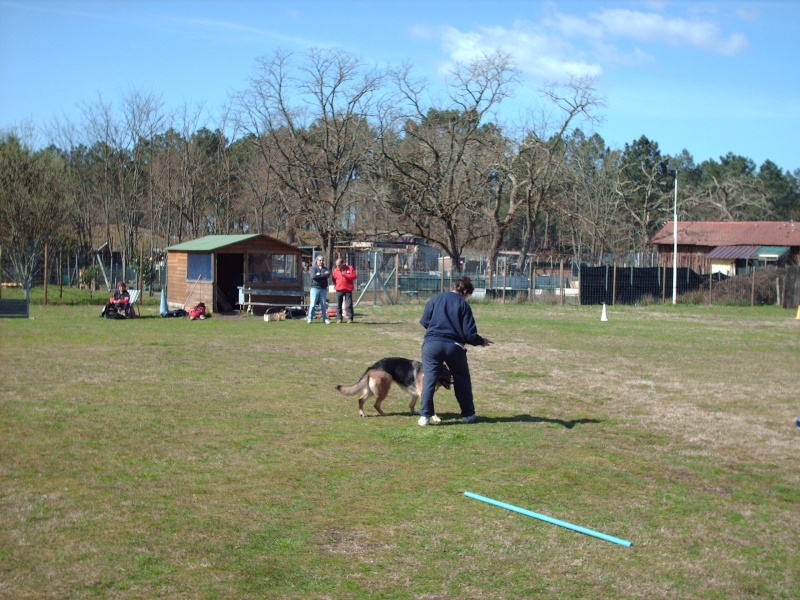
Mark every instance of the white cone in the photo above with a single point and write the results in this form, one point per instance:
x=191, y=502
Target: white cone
x=604, y=316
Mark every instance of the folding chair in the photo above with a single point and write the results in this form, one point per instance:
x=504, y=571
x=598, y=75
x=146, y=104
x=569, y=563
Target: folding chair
x=134, y=296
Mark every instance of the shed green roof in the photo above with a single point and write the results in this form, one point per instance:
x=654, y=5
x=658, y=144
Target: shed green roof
x=210, y=243
x=771, y=251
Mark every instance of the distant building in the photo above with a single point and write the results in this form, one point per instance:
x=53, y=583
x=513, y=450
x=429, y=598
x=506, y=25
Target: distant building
x=728, y=247
x=224, y=271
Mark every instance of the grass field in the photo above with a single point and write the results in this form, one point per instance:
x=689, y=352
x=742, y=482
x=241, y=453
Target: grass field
x=167, y=458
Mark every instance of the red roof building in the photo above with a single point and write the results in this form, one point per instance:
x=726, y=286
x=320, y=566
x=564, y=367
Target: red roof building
x=711, y=246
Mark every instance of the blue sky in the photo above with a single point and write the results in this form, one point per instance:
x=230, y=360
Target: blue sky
x=708, y=77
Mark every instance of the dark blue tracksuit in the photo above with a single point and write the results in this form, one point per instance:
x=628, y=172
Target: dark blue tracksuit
x=449, y=327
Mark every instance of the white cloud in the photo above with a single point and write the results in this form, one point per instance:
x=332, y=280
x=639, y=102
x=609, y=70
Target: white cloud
x=534, y=52
x=656, y=28
x=563, y=45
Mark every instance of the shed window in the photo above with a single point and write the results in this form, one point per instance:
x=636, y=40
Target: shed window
x=199, y=267
x=272, y=268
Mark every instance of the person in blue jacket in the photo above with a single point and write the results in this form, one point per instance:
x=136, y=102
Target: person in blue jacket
x=449, y=326
x=318, y=291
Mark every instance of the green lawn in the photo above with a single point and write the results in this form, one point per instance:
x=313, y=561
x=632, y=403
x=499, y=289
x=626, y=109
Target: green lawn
x=167, y=458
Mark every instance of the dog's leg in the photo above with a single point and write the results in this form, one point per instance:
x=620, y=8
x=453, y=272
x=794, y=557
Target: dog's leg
x=413, y=403
x=361, y=401
x=380, y=387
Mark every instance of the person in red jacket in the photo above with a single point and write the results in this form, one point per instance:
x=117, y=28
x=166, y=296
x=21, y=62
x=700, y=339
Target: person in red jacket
x=344, y=278
x=118, y=306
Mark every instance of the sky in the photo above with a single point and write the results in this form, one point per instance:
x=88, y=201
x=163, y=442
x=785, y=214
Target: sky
x=710, y=78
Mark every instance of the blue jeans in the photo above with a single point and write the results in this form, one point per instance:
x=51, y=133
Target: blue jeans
x=434, y=355
x=318, y=296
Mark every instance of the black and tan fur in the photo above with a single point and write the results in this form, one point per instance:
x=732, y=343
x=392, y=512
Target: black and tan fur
x=377, y=380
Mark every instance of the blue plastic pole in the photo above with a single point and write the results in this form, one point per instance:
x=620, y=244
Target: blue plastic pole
x=597, y=534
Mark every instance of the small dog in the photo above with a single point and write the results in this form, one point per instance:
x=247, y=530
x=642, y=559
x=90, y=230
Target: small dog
x=377, y=380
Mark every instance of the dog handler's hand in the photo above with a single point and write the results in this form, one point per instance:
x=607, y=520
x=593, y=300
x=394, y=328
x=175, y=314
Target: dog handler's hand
x=487, y=342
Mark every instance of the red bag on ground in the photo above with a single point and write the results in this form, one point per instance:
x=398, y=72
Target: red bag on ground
x=198, y=312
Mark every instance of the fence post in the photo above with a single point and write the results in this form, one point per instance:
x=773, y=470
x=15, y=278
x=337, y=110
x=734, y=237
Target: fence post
x=710, y=288
x=505, y=273
x=614, y=287
x=140, y=278
x=45, y=273
x=531, y=280
x=753, y=288
x=561, y=281
x=441, y=272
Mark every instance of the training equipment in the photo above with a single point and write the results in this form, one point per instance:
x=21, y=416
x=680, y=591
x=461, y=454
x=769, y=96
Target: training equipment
x=163, y=308
x=199, y=277
x=529, y=513
x=604, y=316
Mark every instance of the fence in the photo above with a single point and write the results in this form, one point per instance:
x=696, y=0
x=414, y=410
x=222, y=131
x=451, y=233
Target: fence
x=386, y=277
x=397, y=276
x=400, y=275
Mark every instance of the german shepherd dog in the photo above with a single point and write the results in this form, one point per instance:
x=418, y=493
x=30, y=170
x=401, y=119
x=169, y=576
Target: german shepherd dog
x=378, y=378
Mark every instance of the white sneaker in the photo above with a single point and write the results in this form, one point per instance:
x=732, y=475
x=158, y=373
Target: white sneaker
x=327, y=322
x=423, y=421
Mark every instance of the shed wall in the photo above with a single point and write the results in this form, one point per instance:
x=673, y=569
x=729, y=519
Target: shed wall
x=177, y=265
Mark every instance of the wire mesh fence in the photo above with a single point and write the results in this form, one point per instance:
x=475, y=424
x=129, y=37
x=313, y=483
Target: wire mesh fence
x=404, y=274
x=394, y=277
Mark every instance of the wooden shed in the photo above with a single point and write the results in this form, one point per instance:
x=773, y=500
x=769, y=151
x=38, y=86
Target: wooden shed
x=230, y=271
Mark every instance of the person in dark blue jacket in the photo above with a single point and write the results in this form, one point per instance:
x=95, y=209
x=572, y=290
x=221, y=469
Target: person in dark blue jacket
x=449, y=326
x=318, y=291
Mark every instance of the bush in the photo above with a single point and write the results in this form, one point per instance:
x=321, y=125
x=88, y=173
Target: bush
x=738, y=291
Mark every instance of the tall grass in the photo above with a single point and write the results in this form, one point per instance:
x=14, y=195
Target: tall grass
x=167, y=458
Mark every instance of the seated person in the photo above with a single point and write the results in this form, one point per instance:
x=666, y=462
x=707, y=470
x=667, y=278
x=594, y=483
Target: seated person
x=118, y=306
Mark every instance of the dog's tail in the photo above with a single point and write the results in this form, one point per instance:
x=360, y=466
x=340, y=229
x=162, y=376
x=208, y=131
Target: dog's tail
x=356, y=388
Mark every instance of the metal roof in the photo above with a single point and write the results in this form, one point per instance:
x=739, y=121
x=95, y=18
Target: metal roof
x=733, y=252
x=211, y=243
x=771, y=251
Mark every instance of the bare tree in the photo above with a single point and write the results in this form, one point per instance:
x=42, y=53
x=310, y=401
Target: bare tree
x=311, y=125
x=80, y=186
x=435, y=157
x=728, y=190
x=644, y=195
x=534, y=174
x=142, y=118
x=122, y=150
x=262, y=189
x=587, y=210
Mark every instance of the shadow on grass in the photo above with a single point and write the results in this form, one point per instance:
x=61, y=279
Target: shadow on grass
x=534, y=419
x=455, y=419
